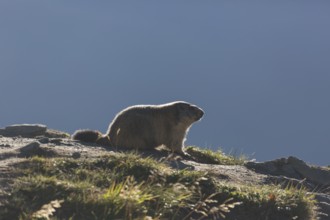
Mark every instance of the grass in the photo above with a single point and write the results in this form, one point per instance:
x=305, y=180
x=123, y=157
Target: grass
x=128, y=186
x=214, y=157
x=270, y=201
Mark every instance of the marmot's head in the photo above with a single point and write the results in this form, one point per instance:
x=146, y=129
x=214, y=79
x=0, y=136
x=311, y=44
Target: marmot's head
x=188, y=113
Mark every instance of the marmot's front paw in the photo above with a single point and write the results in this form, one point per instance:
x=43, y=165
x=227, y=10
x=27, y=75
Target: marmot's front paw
x=181, y=153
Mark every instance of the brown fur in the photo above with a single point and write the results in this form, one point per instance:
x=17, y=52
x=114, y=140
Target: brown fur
x=148, y=126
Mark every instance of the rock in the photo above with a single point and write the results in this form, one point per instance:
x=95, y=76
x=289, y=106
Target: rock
x=76, y=155
x=30, y=149
x=176, y=164
x=294, y=168
x=24, y=130
x=276, y=167
x=57, y=141
x=43, y=140
x=2, y=132
x=315, y=174
x=324, y=204
x=51, y=133
x=34, y=149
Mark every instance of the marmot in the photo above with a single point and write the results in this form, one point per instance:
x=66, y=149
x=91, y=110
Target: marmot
x=147, y=127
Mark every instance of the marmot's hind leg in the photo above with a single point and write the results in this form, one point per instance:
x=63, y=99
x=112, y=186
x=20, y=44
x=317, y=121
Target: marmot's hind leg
x=104, y=141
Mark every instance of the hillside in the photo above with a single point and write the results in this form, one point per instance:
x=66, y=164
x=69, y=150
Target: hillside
x=46, y=175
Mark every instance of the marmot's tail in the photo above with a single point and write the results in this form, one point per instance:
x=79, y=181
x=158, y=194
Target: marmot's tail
x=91, y=136
x=87, y=136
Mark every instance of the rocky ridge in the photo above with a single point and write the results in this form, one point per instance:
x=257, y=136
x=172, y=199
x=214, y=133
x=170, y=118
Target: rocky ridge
x=18, y=142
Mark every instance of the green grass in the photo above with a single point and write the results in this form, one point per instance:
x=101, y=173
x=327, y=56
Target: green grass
x=214, y=157
x=270, y=201
x=128, y=186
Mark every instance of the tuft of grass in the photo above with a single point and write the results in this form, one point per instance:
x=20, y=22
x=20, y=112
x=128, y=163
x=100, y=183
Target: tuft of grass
x=129, y=196
x=128, y=186
x=270, y=201
x=214, y=157
x=131, y=164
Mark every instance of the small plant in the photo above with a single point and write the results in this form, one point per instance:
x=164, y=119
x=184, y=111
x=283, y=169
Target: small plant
x=264, y=201
x=130, y=196
x=130, y=164
x=213, y=157
x=210, y=207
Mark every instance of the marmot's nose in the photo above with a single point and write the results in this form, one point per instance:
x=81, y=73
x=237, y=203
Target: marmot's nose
x=200, y=113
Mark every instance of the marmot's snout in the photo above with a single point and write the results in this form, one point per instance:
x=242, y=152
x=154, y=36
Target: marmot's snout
x=200, y=113
x=197, y=112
